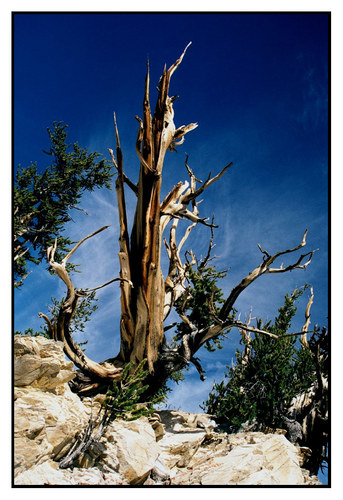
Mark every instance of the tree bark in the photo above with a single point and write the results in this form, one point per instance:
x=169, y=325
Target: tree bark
x=146, y=298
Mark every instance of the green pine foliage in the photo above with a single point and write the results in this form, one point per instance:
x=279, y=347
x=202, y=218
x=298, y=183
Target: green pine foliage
x=123, y=399
x=202, y=302
x=268, y=373
x=42, y=201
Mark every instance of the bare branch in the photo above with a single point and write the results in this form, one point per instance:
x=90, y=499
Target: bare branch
x=223, y=321
x=169, y=327
x=264, y=268
x=185, y=237
x=61, y=327
x=173, y=195
x=186, y=320
x=198, y=366
x=187, y=214
x=88, y=290
x=177, y=273
x=192, y=195
x=175, y=205
x=179, y=135
x=199, y=337
x=170, y=204
x=51, y=327
x=19, y=254
x=131, y=185
x=270, y=259
x=263, y=251
x=190, y=172
x=124, y=245
x=293, y=334
x=247, y=340
x=113, y=157
x=116, y=131
x=245, y=327
x=19, y=283
x=64, y=260
x=138, y=148
x=297, y=265
x=178, y=61
x=307, y=320
x=185, y=344
x=210, y=247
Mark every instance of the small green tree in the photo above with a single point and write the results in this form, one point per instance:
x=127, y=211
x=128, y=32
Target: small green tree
x=42, y=201
x=278, y=381
x=269, y=373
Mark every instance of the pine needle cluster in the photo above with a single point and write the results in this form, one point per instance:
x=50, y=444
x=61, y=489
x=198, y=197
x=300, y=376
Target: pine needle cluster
x=123, y=399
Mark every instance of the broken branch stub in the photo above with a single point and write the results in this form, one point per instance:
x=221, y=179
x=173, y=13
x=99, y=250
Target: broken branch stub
x=307, y=320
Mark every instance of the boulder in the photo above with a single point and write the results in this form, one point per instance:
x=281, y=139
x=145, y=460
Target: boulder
x=49, y=474
x=177, y=449
x=156, y=424
x=251, y=459
x=136, y=448
x=181, y=421
x=40, y=362
x=46, y=473
x=47, y=415
x=184, y=434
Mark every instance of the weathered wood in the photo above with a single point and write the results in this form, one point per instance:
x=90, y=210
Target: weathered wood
x=60, y=328
x=126, y=320
x=146, y=297
x=307, y=320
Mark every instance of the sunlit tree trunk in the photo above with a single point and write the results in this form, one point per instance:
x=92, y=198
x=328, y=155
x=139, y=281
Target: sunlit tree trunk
x=146, y=296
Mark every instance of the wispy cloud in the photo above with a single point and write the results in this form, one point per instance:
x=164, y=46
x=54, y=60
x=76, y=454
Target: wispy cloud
x=192, y=392
x=315, y=97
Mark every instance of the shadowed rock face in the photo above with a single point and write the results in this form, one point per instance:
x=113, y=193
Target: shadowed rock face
x=170, y=447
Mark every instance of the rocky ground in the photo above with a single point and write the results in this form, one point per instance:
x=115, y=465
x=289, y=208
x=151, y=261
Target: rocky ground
x=168, y=448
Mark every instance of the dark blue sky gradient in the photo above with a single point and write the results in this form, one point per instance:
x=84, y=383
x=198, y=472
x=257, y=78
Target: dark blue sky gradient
x=257, y=84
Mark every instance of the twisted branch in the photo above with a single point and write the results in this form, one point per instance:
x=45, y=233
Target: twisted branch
x=60, y=329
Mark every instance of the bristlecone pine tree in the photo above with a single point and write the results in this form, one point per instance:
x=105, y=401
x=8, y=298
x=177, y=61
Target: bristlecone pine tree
x=147, y=297
x=279, y=382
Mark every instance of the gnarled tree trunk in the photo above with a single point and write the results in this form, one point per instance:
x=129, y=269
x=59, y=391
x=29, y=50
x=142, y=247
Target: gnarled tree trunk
x=146, y=297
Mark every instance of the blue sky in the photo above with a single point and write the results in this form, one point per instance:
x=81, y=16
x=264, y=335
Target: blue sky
x=257, y=84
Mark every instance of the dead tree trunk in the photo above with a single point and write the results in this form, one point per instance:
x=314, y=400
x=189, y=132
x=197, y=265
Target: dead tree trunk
x=146, y=296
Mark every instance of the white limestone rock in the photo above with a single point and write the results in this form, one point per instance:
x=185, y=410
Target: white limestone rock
x=49, y=474
x=255, y=459
x=40, y=362
x=47, y=415
x=137, y=449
